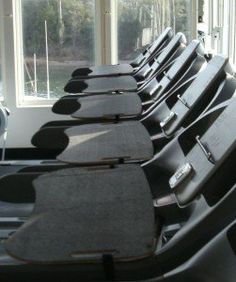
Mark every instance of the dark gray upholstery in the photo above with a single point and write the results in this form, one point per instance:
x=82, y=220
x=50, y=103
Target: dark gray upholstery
x=101, y=85
x=198, y=89
x=107, y=211
x=105, y=70
x=194, y=99
x=109, y=105
x=107, y=143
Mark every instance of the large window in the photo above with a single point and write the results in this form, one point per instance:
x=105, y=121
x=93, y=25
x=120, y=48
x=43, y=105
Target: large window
x=217, y=26
x=51, y=38
x=0, y=75
x=140, y=21
x=1, y=94
x=183, y=17
x=58, y=36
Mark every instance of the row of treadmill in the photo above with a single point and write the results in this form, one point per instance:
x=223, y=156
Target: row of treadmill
x=143, y=186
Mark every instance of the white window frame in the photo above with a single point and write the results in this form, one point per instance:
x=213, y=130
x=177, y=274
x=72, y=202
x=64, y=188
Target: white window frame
x=13, y=72
x=8, y=55
x=222, y=16
x=1, y=51
x=106, y=46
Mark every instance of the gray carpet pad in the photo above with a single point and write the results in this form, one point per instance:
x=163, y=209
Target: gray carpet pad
x=107, y=143
x=101, y=85
x=105, y=70
x=109, y=106
x=80, y=215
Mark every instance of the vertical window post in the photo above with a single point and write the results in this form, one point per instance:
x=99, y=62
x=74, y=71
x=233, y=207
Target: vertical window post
x=18, y=46
x=106, y=48
x=1, y=47
x=194, y=21
x=8, y=51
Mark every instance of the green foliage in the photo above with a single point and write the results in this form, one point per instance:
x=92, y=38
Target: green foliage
x=71, y=28
x=70, y=25
x=137, y=15
x=182, y=16
x=129, y=30
x=200, y=7
x=69, y=33
x=35, y=14
x=134, y=17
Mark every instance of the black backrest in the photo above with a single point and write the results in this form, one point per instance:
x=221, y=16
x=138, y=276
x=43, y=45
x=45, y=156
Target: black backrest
x=183, y=106
x=162, y=58
x=155, y=90
x=153, y=48
x=196, y=157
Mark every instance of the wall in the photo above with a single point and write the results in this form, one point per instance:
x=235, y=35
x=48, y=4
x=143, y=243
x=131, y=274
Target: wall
x=24, y=121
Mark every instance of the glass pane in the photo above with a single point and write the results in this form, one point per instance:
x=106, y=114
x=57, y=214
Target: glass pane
x=140, y=21
x=1, y=94
x=58, y=36
x=234, y=35
x=203, y=22
x=183, y=17
x=137, y=24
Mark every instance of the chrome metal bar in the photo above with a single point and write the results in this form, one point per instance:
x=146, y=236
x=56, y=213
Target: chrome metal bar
x=206, y=152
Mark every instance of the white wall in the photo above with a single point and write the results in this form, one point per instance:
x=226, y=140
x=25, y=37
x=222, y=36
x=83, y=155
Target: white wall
x=23, y=121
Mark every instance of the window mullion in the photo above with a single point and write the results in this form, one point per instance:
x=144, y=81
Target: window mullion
x=99, y=33
x=8, y=49
x=111, y=32
x=19, y=51
x=106, y=32
x=1, y=45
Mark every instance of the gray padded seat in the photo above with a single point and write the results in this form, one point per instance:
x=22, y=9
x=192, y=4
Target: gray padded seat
x=107, y=143
x=114, y=217
x=120, y=105
x=200, y=94
x=104, y=70
x=83, y=199
x=102, y=85
x=109, y=106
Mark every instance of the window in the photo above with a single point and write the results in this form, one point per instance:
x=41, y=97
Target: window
x=1, y=83
x=140, y=21
x=217, y=24
x=137, y=26
x=51, y=38
x=183, y=17
x=1, y=91
x=58, y=36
